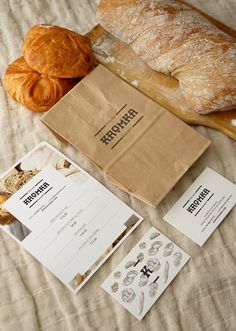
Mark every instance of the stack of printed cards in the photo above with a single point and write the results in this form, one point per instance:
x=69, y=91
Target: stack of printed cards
x=145, y=272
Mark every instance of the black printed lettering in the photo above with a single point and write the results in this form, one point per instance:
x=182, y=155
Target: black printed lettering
x=198, y=200
x=105, y=140
x=115, y=128
x=118, y=127
x=133, y=112
x=36, y=193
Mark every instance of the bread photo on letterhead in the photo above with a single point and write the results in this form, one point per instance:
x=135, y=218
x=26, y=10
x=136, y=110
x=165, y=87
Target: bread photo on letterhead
x=5, y=217
x=35, y=91
x=58, y=52
x=173, y=38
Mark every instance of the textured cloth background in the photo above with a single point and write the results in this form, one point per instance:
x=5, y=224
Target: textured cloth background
x=203, y=295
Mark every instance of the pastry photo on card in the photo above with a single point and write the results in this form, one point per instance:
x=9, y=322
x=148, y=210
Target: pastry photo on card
x=144, y=274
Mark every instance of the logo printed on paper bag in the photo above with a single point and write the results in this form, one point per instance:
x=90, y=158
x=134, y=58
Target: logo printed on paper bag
x=118, y=127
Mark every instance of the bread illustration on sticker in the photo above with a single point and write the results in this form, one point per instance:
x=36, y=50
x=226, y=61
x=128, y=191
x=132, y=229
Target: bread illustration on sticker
x=142, y=245
x=153, y=264
x=154, y=249
x=177, y=259
x=117, y=274
x=129, y=264
x=166, y=272
x=143, y=280
x=153, y=287
x=128, y=295
x=141, y=303
x=154, y=235
x=130, y=277
x=168, y=249
x=115, y=287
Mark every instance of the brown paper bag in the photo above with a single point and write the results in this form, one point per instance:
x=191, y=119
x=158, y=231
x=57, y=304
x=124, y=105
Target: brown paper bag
x=141, y=147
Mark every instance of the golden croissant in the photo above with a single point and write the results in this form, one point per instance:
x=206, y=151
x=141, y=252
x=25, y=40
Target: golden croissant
x=58, y=52
x=33, y=90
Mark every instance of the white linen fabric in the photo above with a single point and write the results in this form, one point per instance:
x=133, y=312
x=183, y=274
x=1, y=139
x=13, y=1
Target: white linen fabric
x=203, y=295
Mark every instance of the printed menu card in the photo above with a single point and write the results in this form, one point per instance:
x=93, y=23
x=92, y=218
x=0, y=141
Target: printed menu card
x=62, y=216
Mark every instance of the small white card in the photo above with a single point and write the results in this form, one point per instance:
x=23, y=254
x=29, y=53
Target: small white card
x=62, y=215
x=203, y=206
x=143, y=275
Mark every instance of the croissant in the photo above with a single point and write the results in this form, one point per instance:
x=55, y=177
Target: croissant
x=173, y=38
x=33, y=90
x=58, y=52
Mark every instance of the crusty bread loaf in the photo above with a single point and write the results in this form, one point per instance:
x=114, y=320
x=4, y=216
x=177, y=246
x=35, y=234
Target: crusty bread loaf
x=33, y=90
x=175, y=39
x=58, y=52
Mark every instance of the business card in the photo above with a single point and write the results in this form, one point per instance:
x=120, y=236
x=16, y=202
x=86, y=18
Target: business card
x=62, y=216
x=143, y=275
x=203, y=206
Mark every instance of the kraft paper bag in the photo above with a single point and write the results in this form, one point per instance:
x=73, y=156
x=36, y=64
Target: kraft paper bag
x=140, y=146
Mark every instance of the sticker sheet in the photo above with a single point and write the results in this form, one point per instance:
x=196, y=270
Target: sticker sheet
x=143, y=275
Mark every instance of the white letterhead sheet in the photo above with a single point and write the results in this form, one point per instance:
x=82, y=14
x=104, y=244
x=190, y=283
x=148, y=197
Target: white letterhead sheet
x=203, y=206
x=63, y=216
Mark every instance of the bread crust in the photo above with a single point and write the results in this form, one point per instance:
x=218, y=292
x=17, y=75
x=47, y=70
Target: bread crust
x=173, y=38
x=33, y=90
x=5, y=217
x=58, y=52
